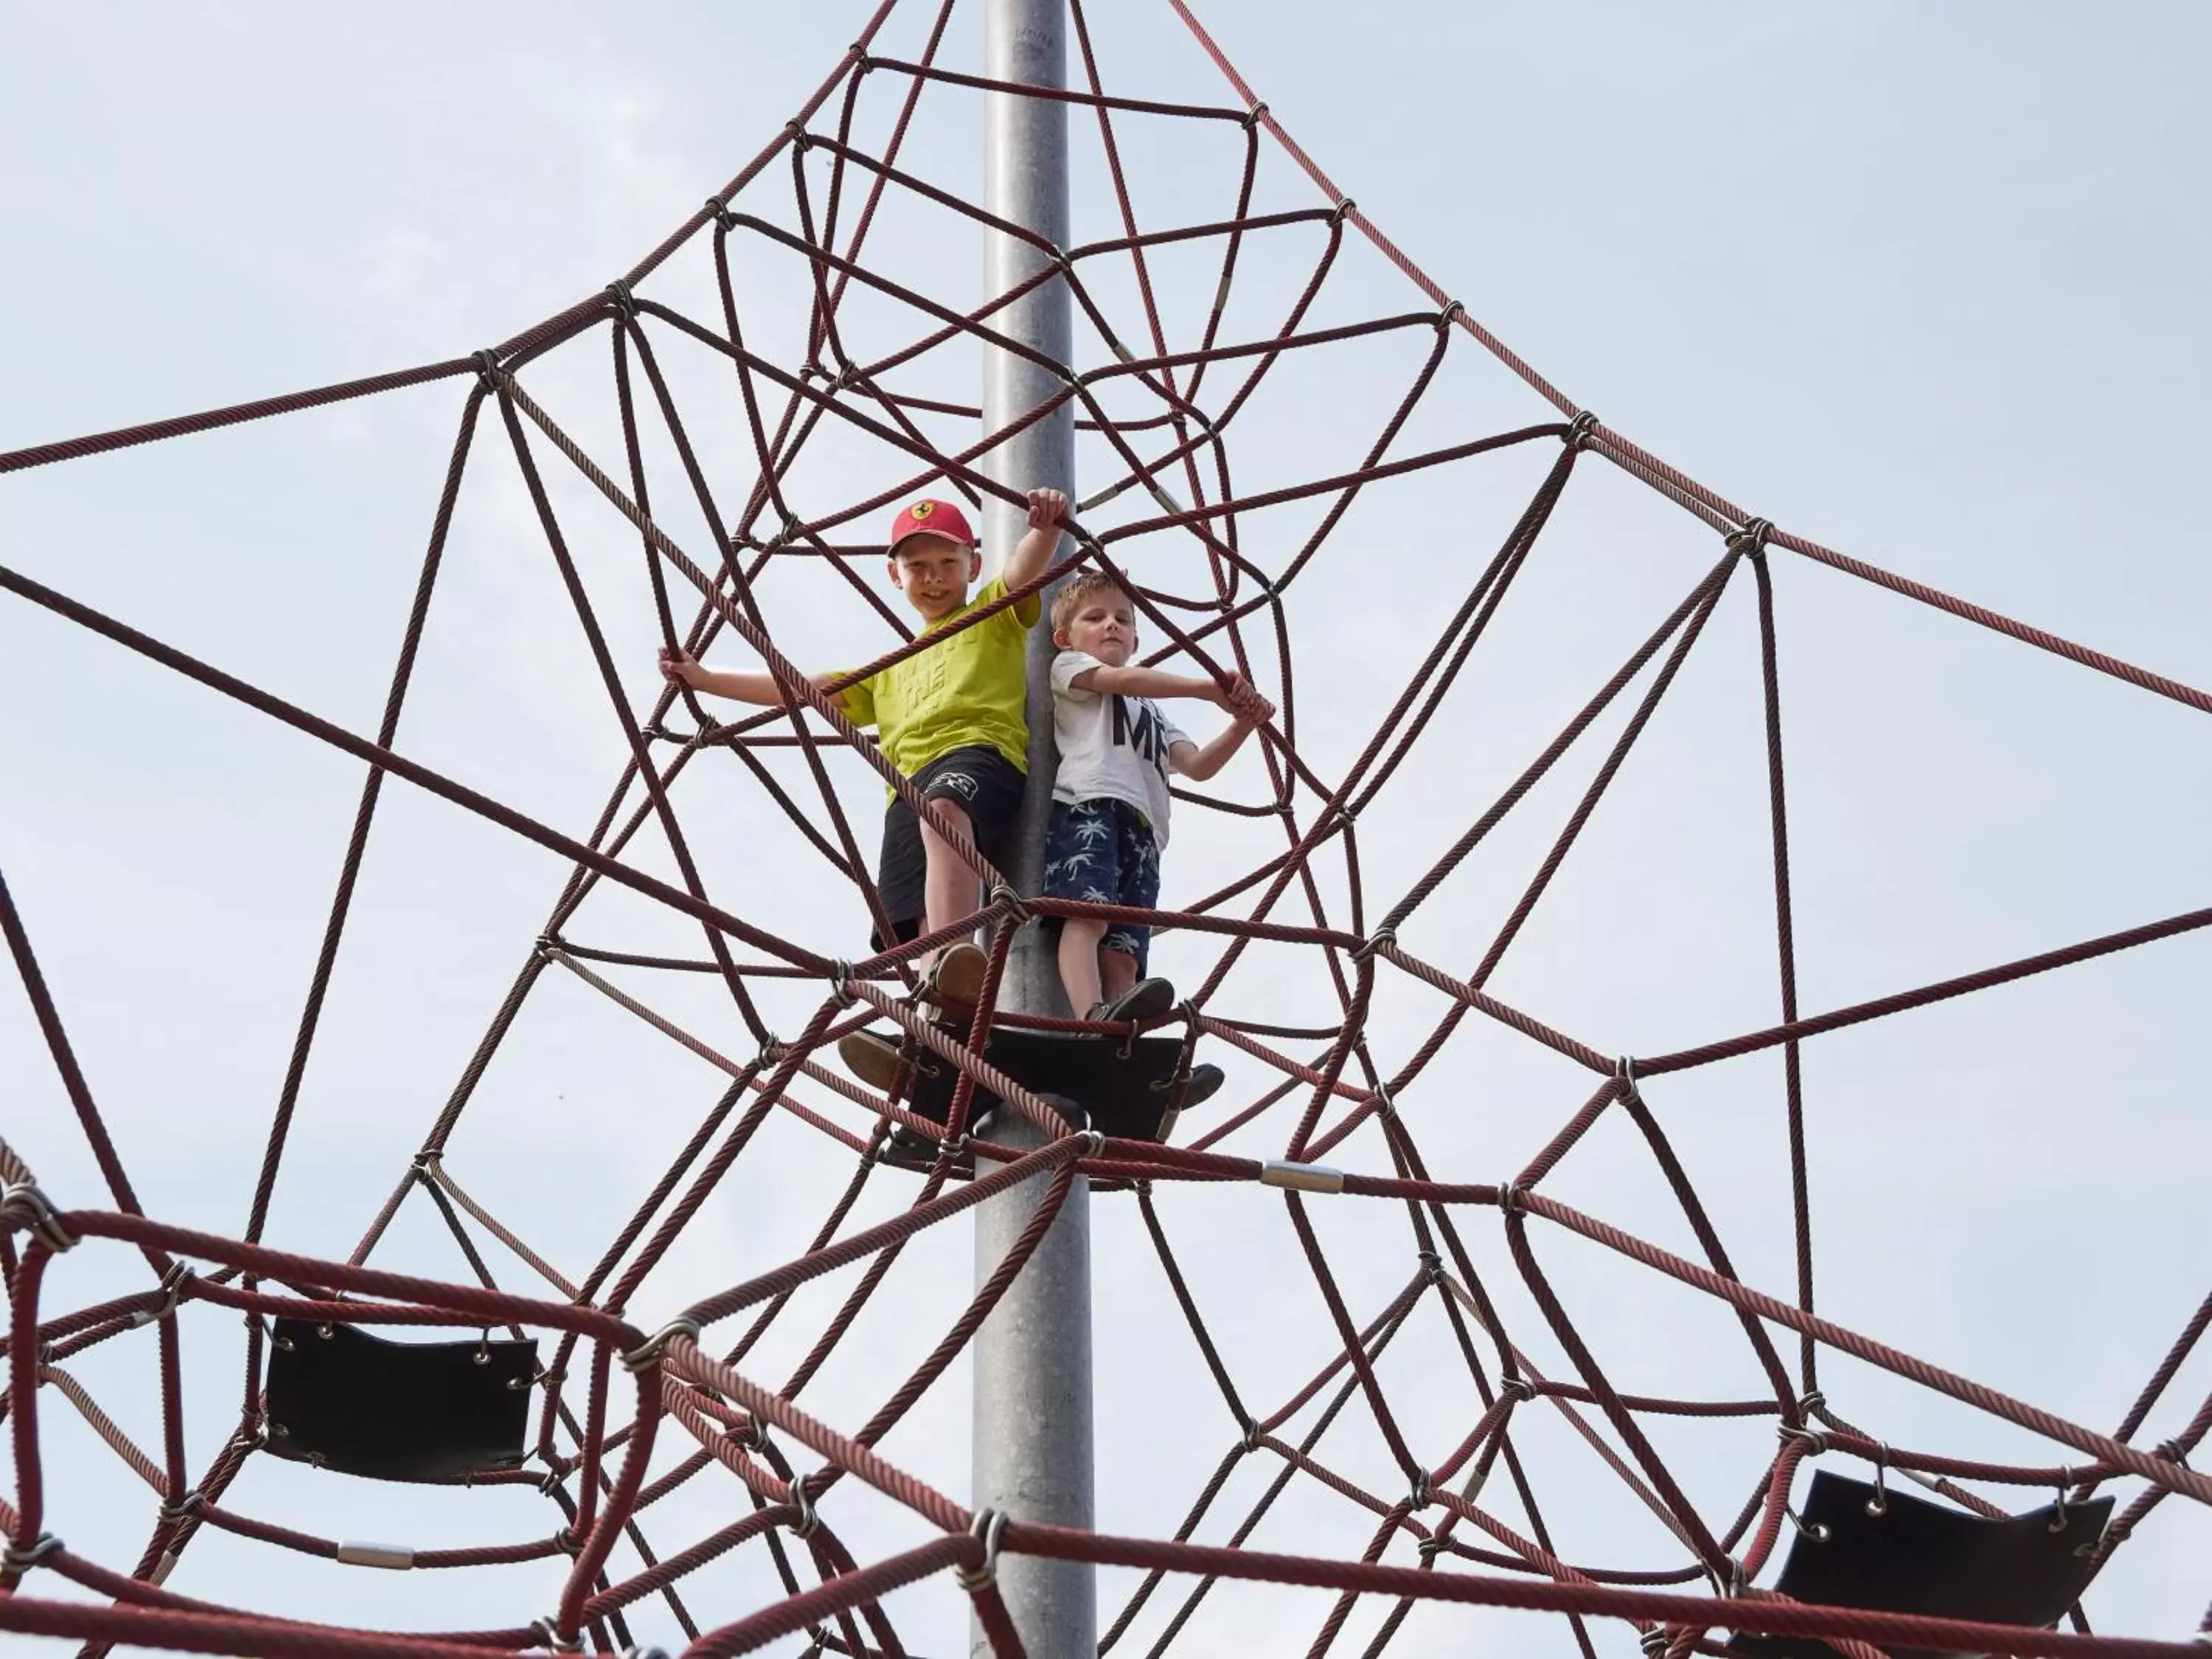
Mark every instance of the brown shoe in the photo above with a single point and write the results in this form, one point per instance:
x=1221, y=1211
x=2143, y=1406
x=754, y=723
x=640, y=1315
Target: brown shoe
x=876, y=1061
x=956, y=980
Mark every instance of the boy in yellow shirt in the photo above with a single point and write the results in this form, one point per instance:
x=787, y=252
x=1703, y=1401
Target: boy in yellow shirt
x=951, y=717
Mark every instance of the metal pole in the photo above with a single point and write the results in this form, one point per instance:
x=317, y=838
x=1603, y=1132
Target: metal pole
x=1032, y=1356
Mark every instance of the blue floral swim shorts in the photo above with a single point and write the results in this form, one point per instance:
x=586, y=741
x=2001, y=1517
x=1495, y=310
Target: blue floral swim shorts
x=1102, y=852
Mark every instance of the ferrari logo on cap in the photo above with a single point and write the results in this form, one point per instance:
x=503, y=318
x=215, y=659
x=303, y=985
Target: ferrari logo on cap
x=922, y=509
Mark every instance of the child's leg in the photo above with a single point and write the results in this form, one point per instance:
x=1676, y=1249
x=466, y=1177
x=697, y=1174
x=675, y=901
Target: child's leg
x=1117, y=969
x=1080, y=962
x=950, y=888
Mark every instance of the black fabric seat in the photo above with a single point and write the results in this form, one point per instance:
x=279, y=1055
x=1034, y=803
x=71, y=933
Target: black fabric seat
x=343, y=1400
x=1914, y=1556
x=1125, y=1086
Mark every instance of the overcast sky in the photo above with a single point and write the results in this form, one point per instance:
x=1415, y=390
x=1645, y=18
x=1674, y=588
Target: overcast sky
x=1922, y=283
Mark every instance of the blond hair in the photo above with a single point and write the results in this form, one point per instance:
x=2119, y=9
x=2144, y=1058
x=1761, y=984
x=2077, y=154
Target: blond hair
x=1074, y=590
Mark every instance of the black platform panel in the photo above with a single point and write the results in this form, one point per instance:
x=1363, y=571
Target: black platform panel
x=364, y=1405
x=1920, y=1557
x=1126, y=1086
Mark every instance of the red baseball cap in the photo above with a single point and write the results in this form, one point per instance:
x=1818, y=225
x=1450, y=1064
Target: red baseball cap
x=928, y=517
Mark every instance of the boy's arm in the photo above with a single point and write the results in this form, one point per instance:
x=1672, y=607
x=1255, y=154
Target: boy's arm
x=1199, y=762
x=754, y=685
x=1032, y=555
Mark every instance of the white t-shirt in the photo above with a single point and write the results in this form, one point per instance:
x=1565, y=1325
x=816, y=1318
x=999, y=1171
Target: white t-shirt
x=1110, y=744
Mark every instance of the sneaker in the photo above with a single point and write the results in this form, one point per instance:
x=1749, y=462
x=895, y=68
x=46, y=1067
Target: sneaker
x=1148, y=999
x=955, y=979
x=1205, y=1082
x=877, y=1062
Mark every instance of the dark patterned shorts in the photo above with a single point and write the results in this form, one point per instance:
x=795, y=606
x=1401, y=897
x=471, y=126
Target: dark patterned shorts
x=976, y=778
x=1102, y=853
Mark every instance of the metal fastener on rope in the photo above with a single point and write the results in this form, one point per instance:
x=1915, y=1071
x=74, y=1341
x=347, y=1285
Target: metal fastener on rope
x=772, y=1049
x=173, y=1292
x=1345, y=208
x=803, y=1501
x=624, y=302
x=549, y=1636
x=487, y=362
x=26, y=1206
x=2058, y=1502
x=392, y=1558
x=568, y=1543
x=1429, y=1548
x=1420, y=1497
x=1815, y=1441
x=1515, y=1387
x=840, y=984
x=1253, y=116
x=1432, y=1265
x=1878, y=1504
x=1511, y=1201
x=1452, y=308
x=1252, y=1434
x=1815, y=1404
x=986, y=1529
x=800, y=138
x=1752, y=539
x=2173, y=1451
x=1817, y=1530
x=643, y=1653
x=1582, y=429
x=184, y=1508
x=1654, y=1641
x=1004, y=893
x=647, y=1353
x=1301, y=1178
x=1094, y=1142
x=1382, y=936
x=718, y=207
x=14, y=1561
x=1624, y=1069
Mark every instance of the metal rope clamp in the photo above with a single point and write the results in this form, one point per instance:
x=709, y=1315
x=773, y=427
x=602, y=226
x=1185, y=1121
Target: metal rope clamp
x=13, y=1562
x=1654, y=1641
x=173, y=1293
x=488, y=369
x=548, y=1630
x=988, y=1527
x=803, y=1501
x=1003, y=893
x=840, y=984
x=1750, y=540
x=184, y=1508
x=1624, y=1069
x=648, y=1353
x=1517, y=1388
x=620, y=299
x=1381, y=936
x=1582, y=431
x=1254, y=115
x=24, y=1205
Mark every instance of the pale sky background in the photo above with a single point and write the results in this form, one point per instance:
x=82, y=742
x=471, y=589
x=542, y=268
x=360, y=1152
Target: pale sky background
x=1924, y=283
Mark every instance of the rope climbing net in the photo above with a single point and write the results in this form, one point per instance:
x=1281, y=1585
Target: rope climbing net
x=624, y=1415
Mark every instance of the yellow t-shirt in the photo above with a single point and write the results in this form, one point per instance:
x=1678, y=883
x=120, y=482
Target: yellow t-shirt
x=971, y=689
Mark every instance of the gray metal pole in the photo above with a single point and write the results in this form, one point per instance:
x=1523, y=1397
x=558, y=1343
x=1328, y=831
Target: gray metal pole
x=1032, y=1356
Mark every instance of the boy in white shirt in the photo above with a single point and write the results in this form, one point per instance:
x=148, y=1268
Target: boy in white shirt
x=1109, y=800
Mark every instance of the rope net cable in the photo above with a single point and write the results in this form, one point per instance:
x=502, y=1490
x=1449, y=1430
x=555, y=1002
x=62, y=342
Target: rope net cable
x=1157, y=409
